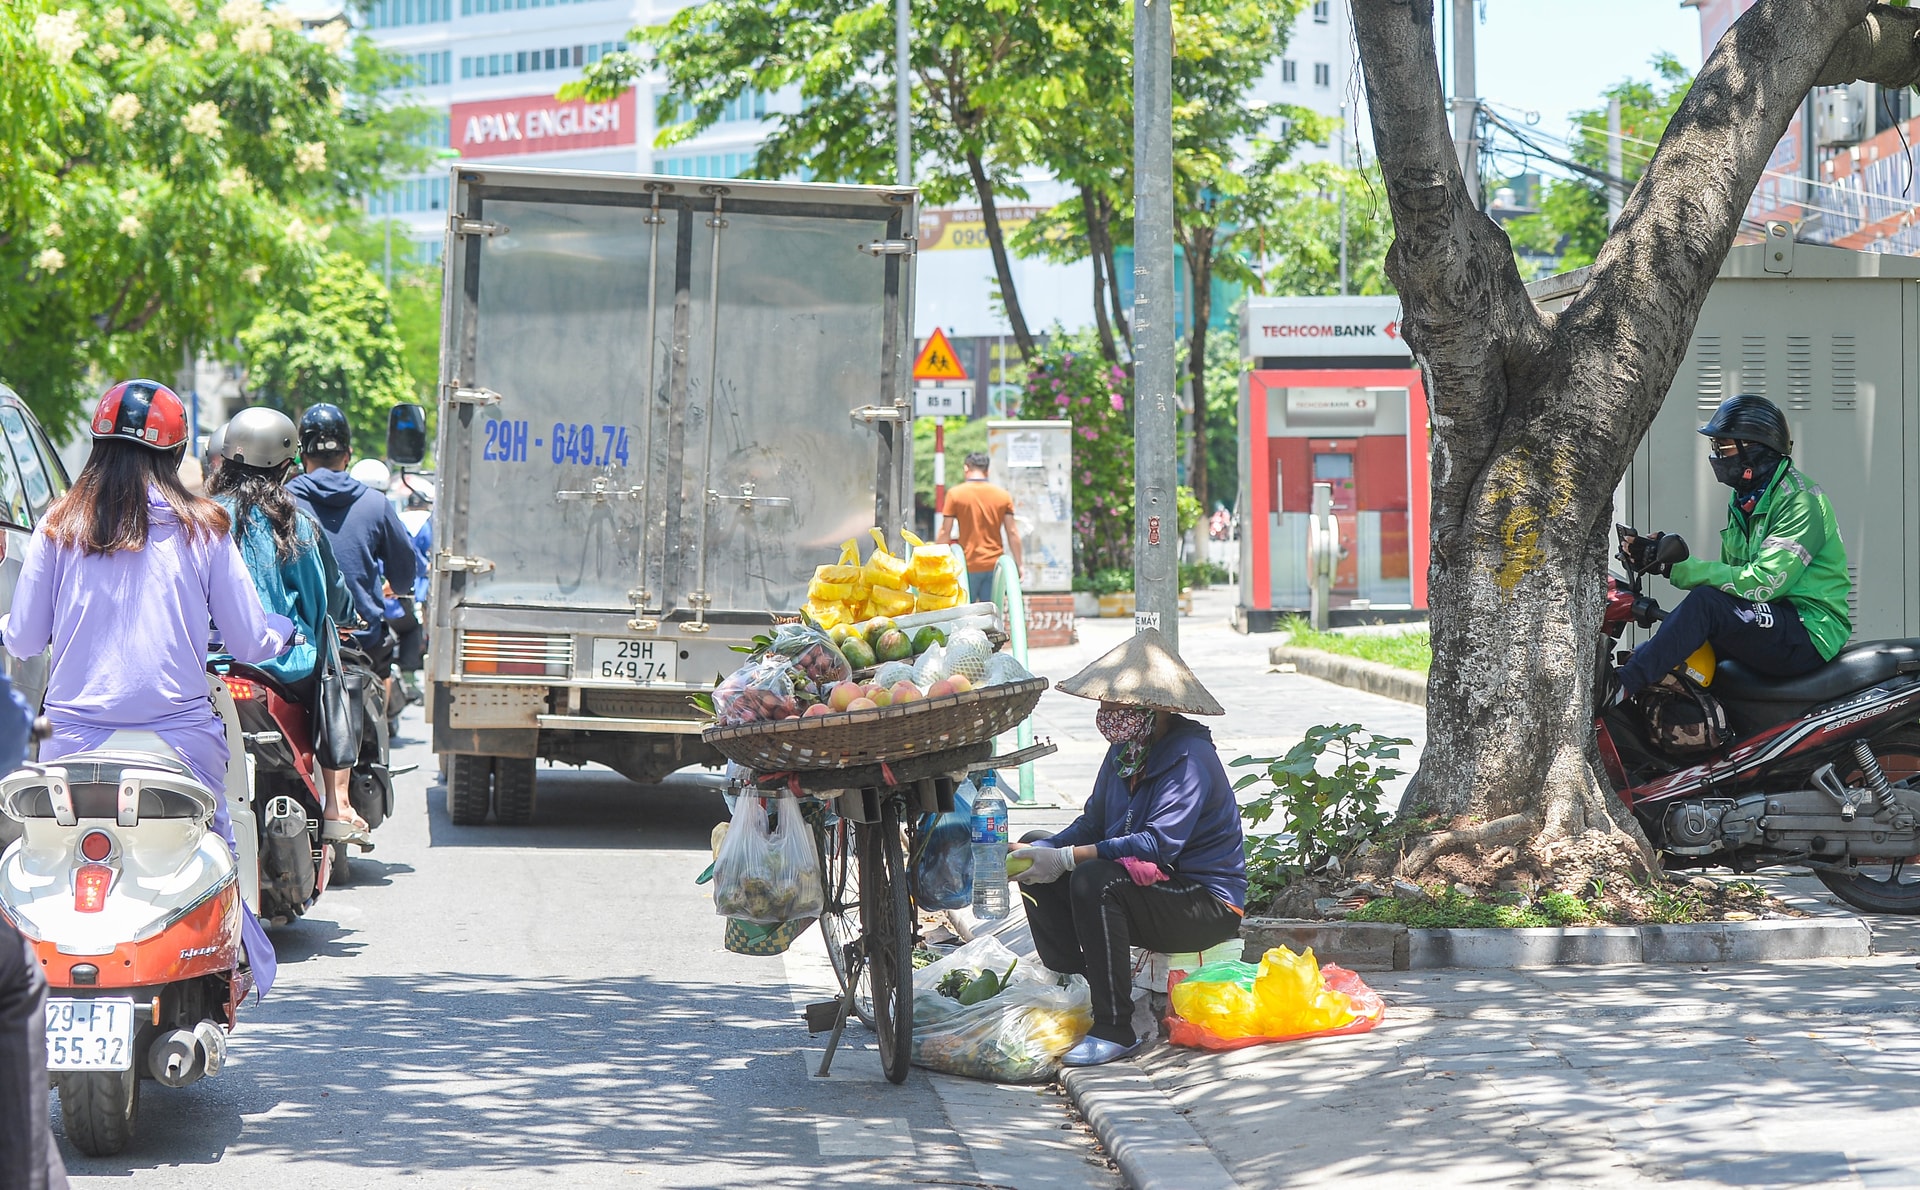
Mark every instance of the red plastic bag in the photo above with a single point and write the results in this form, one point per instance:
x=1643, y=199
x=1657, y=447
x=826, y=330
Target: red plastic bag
x=1366, y=1002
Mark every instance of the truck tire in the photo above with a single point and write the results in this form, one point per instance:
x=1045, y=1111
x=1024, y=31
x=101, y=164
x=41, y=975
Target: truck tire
x=98, y=1109
x=512, y=790
x=469, y=788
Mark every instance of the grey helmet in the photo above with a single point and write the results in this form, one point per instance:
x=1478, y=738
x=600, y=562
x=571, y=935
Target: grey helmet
x=260, y=437
x=217, y=443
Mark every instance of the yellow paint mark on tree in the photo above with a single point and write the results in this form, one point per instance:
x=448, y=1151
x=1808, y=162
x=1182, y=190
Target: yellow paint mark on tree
x=1520, y=528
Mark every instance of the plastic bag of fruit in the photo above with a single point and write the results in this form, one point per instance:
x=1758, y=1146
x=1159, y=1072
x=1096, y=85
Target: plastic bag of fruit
x=883, y=571
x=834, y=582
x=767, y=873
x=812, y=652
x=1017, y=1034
x=933, y=567
x=760, y=690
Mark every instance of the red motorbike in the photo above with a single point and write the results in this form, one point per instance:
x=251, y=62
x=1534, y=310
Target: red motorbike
x=1724, y=767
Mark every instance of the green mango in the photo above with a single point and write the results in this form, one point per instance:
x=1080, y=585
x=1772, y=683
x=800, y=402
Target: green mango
x=926, y=638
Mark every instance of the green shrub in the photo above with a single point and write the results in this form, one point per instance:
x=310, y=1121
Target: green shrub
x=1326, y=816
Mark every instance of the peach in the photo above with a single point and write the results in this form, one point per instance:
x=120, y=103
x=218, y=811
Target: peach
x=816, y=710
x=844, y=694
x=904, y=691
x=862, y=704
x=880, y=697
x=960, y=683
x=940, y=689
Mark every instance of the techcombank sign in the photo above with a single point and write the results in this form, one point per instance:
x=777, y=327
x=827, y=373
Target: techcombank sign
x=1312, y=327
x=541, y=124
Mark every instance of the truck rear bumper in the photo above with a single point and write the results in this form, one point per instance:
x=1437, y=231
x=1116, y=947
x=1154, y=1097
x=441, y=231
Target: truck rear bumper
x=598, y=723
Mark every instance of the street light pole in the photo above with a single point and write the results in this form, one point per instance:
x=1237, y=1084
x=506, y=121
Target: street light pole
x=1466, y=102
x=902, y=92
x=1156, y=533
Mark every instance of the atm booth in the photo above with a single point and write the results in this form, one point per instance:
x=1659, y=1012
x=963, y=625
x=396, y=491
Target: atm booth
x=1331, y=396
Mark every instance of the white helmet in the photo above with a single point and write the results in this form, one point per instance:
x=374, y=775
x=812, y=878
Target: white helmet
x=373, y=473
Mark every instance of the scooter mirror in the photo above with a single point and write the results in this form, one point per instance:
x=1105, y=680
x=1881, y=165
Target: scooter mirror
x=406, y=435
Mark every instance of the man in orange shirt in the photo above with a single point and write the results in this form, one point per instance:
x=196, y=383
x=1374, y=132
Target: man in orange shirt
x=977, y=513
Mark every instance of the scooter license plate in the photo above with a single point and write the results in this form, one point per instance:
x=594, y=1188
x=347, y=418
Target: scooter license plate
x=89, y=1034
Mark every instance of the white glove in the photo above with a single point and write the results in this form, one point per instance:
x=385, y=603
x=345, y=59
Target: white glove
x=1049, y=864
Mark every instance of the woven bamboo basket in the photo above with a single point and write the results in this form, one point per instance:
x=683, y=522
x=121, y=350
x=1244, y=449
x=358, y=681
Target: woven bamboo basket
x=885, y=733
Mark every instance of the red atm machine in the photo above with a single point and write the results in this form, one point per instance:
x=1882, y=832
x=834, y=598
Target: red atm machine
x=1331, y=396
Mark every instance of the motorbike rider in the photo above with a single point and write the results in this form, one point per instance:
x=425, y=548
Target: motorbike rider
x=282, y=549
x=121, y=580
x=417, y=519
x=1776, y=601
x=368, y=541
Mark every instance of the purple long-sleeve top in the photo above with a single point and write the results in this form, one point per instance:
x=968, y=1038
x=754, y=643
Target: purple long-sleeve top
x=1180, y=815
x=128, y=629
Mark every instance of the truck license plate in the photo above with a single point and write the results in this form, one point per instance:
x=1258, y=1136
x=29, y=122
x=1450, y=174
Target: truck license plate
x=89, y=1034
x=641, y=662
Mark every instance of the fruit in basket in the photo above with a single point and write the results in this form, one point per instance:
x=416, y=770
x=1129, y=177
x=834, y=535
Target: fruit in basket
x=843, y=694
x=863, y=704
x=858, y=653
x=967, y=653
x=960, y=683
x=880, y=696
x=874, y=627
x=926, y=638
x=906, y=692
x=941, y=688
x=816, y=710
x=893, y=645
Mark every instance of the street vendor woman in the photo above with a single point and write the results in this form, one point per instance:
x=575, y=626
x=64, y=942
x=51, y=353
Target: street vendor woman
x=1155, y=859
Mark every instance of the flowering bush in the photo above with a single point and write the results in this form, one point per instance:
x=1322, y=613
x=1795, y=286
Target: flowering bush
x=1068, y=380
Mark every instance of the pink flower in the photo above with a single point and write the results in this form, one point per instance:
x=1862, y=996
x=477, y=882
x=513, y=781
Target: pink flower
x=1062, y=400
x=1086, y=477
x=1119, y=402
x=1099, y=502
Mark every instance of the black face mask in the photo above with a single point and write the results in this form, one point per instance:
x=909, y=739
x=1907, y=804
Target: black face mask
x=1748, y=470
x=1735, y=472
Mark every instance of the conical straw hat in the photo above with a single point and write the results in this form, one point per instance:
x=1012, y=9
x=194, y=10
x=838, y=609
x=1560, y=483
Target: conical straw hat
x=1144, y=672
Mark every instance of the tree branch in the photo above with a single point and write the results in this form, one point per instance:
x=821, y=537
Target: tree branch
x=1883, y=48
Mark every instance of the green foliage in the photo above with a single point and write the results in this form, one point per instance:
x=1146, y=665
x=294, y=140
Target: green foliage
x=1201, y=574
x=338, y=345
x=1324, y=816
x=1302, y=249
x=1187, y=509
x=1224, y=367
x=1068, y=379
x=1403, y=650
x=1572, y=222
x=170, y=167
x=1452, y=908
x=415, y=295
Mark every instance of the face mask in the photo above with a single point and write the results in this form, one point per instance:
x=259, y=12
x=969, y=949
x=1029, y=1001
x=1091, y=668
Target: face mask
x=1733, y=472
x=1124, y=725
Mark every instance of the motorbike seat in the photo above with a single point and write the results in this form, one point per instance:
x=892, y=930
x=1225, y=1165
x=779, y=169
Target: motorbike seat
x=1856, y=668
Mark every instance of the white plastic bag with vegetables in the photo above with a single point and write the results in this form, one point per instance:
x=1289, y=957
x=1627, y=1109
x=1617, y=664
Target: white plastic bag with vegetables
x=763, y=874
x=1018, y=1026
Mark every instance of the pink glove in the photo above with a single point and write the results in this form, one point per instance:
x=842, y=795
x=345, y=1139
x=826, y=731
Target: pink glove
x=1143, y=873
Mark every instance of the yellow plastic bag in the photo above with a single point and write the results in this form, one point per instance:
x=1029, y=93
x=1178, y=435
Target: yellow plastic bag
x=931, y=565
x=1285, y=996
x=883, y=569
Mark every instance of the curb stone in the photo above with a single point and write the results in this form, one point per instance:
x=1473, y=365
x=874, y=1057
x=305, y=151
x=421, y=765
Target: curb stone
x=1155, y=1146
x=1370, y=676
x=1383, y=946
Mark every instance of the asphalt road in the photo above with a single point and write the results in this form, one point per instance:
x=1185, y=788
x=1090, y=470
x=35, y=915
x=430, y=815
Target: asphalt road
x=551, y=1006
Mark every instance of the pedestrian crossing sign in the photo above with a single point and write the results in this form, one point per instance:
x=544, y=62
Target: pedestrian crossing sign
x=937, y=360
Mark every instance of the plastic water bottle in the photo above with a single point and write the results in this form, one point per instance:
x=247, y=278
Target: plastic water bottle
x=991, y=901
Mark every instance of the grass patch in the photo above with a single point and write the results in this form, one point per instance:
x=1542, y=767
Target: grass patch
x=1453, y=910
x=1408, y=650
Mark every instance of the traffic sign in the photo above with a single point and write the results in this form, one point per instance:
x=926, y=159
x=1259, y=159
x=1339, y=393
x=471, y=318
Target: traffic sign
x=943, y=400
x=937, y=360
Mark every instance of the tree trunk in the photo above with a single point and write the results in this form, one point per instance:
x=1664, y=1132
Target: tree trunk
x=1101, y=322
x=1002, y=266
x=1536, y=416
x=1199, y=246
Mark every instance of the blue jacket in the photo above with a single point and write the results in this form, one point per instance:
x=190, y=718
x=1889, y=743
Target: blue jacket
x=368, y=541
x=301, y=589
x=1184, y=817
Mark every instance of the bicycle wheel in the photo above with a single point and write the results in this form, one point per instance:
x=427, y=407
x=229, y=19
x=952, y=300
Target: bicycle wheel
x=888, y=924
x=840, y=917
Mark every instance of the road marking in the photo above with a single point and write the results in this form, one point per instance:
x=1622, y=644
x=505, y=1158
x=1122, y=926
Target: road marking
x=864, y=1137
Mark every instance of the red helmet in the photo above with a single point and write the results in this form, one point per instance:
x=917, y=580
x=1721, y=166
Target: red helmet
x=142, y=411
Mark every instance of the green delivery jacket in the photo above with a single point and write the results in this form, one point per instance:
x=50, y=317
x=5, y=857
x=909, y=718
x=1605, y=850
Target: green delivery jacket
x=1788, y=548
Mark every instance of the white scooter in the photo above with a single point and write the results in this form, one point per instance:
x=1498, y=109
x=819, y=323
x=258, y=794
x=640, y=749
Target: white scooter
x=132, y=903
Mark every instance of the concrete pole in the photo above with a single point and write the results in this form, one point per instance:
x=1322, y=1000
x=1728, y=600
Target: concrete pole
x=1156, y=532
x=1466, y=102
x=1616, y=195
x=902, y=92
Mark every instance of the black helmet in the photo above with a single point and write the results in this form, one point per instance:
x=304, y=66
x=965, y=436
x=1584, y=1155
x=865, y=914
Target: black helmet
x=1750, y=418
x=324, y=431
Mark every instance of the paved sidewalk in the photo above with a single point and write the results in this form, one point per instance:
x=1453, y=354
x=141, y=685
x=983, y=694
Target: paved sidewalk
x=1790, y=1074
x=1267, y=711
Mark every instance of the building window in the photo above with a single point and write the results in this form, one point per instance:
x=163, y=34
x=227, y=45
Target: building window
x=1289, y=71
x=1322, y=11
x=1322, y=75
x=704, y=165
x=389, y=14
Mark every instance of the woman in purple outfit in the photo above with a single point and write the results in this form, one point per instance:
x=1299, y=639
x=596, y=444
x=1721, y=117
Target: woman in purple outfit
x=121, y=581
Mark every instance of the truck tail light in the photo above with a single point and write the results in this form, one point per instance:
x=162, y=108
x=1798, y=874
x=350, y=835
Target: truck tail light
x=505, y=654
x=90, y=886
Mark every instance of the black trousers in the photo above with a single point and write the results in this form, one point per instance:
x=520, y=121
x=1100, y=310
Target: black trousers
x=1085, y=922
x=1767, y=638
x=28, y=1157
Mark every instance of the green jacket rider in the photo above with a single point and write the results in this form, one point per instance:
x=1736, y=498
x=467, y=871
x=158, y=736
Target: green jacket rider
x=1776, y=601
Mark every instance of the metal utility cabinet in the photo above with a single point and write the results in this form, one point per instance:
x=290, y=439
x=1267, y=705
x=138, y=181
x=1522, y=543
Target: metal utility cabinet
x=663, y=402
x=1829, y=335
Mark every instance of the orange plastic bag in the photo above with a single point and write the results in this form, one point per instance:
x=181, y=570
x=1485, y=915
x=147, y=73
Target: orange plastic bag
x=1288, y=996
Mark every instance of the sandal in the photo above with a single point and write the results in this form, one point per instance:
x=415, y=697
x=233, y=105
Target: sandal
x=332, y=830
